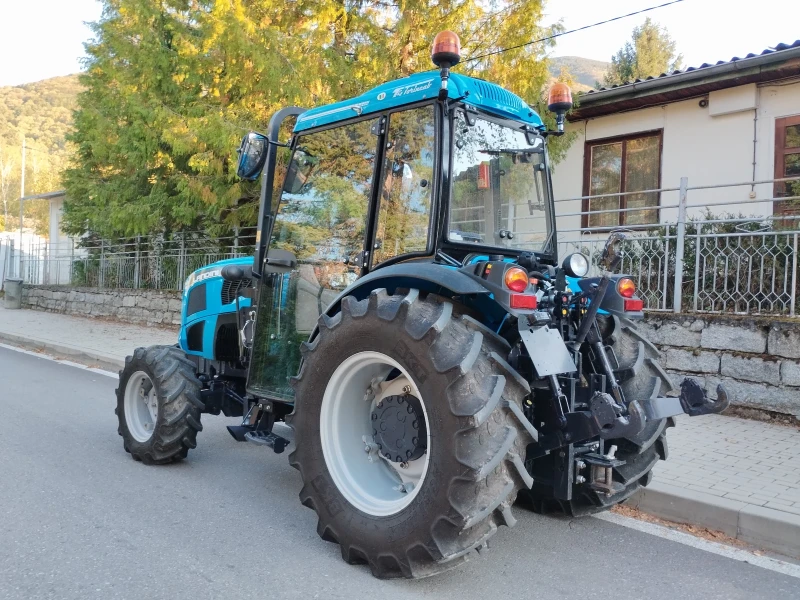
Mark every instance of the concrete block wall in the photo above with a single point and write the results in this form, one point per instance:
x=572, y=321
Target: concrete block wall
x=143, y=307
x=757, y=359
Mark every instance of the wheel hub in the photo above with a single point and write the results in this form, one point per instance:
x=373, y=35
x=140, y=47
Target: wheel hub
x=398, y=428
x=355, y=415
x=141, y=406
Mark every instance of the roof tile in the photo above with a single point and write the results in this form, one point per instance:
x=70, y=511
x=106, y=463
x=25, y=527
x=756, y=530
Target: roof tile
x=777, y=48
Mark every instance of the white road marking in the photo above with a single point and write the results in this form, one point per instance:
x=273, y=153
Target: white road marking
x=765, y=562
x=61, y=361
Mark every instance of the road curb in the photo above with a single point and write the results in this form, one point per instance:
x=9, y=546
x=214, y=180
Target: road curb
x=764, y=527
x=86, y=357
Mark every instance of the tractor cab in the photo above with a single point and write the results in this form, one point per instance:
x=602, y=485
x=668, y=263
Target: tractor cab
x=382, y=186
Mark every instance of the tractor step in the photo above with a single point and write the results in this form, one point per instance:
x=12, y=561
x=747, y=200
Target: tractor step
x=246, y=433
x=267, y=438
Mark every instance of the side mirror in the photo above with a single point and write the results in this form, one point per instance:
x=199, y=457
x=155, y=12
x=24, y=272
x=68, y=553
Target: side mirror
x=299, y=171
x=612, y=251
x=252, y=155
x=559, y=101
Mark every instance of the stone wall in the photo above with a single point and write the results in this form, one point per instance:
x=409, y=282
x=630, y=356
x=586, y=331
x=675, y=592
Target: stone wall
x=755, y=358
x=146, y=307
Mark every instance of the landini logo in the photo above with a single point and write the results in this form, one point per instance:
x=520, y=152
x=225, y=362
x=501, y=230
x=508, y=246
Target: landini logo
x=412, y=89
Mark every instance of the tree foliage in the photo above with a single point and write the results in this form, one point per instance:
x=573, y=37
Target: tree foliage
x=171, y=86
x=650, y=52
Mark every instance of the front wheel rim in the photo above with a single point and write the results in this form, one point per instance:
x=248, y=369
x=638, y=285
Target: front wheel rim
x=371, y=483
x=141, y=406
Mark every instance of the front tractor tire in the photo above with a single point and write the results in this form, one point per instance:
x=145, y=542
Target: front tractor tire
x=382, y=365
x=158, y=405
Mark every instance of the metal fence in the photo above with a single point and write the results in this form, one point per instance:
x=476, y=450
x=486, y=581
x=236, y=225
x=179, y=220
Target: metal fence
x=698, y=260
x=157, y=262
x=698, y=257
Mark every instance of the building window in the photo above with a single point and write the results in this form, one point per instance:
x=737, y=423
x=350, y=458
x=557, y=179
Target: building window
x=625, y=164
x=787, y=162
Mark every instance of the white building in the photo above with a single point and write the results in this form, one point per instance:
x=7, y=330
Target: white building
x=731, y=122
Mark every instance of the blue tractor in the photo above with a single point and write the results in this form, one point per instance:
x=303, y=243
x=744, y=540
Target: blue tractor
x=406, y=313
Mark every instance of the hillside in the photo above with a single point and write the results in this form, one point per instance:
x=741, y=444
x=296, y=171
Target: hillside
x=584, y=71
x=42, y=111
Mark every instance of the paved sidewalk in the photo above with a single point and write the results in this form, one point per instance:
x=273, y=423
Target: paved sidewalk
x=91, y=341
x=748, y=461
x=729, y=474
x=733, y=475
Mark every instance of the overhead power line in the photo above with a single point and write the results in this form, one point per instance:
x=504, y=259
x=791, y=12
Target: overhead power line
x=550, y=37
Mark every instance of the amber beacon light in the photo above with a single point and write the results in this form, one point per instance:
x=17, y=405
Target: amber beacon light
x=559, y=101
x=445, y=53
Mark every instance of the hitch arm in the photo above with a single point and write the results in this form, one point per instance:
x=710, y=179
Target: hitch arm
x=692, y=401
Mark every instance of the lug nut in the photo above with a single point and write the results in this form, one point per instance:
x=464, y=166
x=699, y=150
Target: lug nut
x=580, y=479
x=406, y=389
x=581, y=465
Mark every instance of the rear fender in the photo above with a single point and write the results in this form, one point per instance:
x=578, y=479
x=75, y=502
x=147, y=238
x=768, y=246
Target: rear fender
x=427, y=277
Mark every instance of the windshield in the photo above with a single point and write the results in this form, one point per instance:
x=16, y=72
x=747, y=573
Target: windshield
x=499, y=193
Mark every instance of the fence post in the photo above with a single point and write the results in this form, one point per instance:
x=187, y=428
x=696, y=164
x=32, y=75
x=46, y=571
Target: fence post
x=48, y=250
x=72, y=260
x=102, y=264
x=794, y=276
x=679, y=247
x=182, y=263
x=137, y=264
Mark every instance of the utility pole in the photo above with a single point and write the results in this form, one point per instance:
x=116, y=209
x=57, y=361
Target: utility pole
x=21, y=205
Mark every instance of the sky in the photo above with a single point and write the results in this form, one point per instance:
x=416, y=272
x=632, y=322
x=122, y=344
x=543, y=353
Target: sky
x=44, y=38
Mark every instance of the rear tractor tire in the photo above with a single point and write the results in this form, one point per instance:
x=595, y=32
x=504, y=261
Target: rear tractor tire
x=409, y=433
x=158, y=405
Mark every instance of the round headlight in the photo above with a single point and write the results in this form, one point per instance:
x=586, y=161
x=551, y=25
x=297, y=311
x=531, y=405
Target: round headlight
x=576, y=265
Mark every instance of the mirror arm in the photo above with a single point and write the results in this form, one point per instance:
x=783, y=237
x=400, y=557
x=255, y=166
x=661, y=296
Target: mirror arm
x=267, y=184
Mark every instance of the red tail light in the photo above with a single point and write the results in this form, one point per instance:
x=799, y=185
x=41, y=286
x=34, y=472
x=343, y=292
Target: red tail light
x=626, y=287
x=516, y=279
x=634, y=304
x=526, y=301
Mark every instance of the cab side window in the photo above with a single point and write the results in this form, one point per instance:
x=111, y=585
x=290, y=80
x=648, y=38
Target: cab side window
x=406, y=184
x=322, y=214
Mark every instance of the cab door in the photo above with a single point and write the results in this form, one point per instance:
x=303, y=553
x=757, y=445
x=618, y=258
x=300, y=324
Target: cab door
x=406, y=186
x=321, y=218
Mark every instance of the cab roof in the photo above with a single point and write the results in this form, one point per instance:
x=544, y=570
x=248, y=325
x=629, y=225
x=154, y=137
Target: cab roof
x=422, y=86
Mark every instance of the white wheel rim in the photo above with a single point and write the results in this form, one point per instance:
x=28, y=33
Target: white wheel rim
x=141, y=406
x=372, y=484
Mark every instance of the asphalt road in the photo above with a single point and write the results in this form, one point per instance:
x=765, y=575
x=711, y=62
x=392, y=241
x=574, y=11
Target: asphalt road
x=80, y=519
